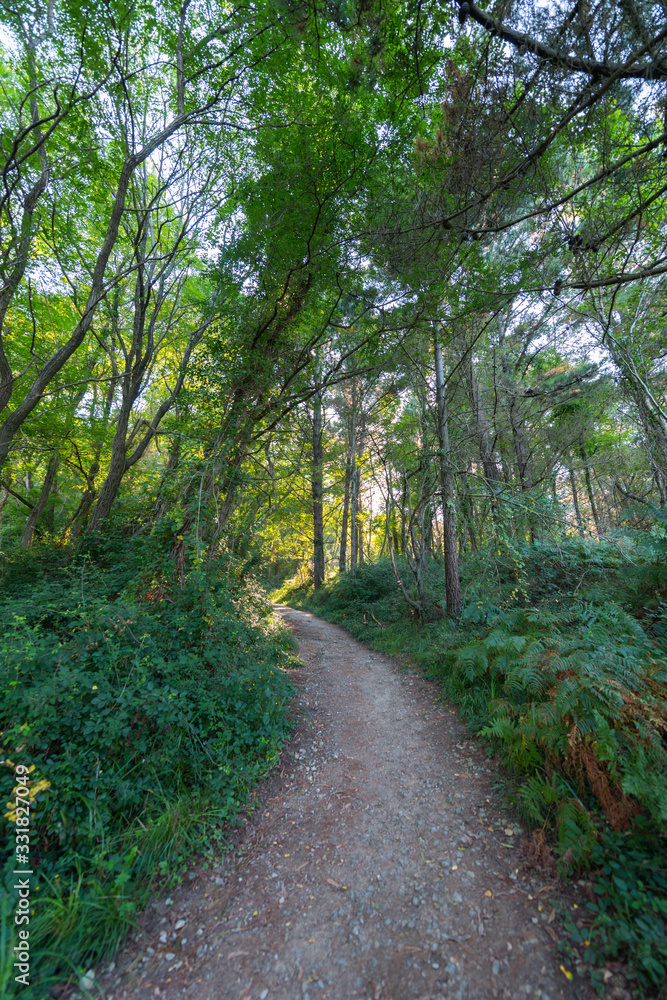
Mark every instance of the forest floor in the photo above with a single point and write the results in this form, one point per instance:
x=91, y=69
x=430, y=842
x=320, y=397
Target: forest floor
x=377, y=864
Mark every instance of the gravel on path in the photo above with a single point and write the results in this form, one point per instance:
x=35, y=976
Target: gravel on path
x=378, y=867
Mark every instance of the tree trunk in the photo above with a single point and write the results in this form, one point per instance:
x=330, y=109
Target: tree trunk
x=116, y=470
x=358, y=524
x=483, y=432
x=591, y=498
x=400, y=582
x=61, y=355
x=135, y=369
x=415, y=554
x=452, y=585
x=656, y=439
x=425, y=463
x=575, y=500
x=469, y=520
x=354, y=538
x=517, y=422
x=98, y=289
x=317, y=489
x=651, y=412
x=4, y=497
x=428, y=531
x=358, y=527
x=403, y=505
x=25, y=231
x=37, y=511
x=162, y=503
x=342, y=555
x=80, y=518
x=521, y=449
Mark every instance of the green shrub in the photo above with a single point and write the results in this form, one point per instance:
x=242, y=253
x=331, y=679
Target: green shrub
x=627, y=918
x=559, y=663
x=148, y=705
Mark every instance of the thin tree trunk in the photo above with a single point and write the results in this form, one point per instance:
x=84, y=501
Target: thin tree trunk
x=4, y=497
x=342, y=556
x=61, y=356
x=483, y=432
x=403, y=505
x=469, y=518
x=651, y=412
x=575, y=500
x=354, y=539
x=358, y=524
x=415, y=553
x=353, y=502
x=425, y=465
x=452, y=585
x=589, y=490
x=161, y=502
x=317, y=489
x=230, y=486
x=400, y=583
x=80, y=518
x=608, y=514
x=47, y=486
x=116, y=470
x=357, y=521
x=656, y=438
x=26, y=229
x=394, y=537
x=520, y=445
x=132, y=385
x=98, y=290
x=517, y=422
x=428, y=531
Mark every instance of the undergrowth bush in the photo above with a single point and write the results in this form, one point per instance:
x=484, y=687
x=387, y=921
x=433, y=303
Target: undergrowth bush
x=147, y=696
x=559, y=662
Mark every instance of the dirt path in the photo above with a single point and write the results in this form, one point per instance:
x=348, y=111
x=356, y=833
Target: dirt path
x=378, y=867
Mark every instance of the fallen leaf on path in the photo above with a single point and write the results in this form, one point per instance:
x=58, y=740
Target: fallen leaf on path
x=237, y=954
x=488, y=893
x=552, y=917
x=552, y=934
x=336, y=885
x=311, y=940
x=568, y=975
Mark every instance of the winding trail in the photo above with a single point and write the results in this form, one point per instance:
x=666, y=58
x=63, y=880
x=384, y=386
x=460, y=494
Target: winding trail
x=377, y=867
